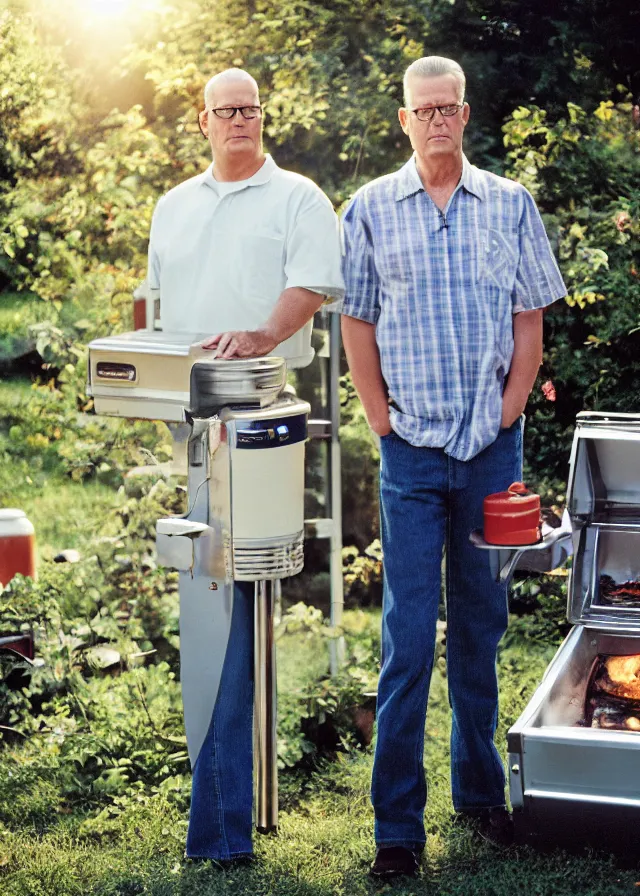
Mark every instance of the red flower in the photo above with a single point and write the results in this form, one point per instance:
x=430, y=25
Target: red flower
x=623, y=219
x=549, y=390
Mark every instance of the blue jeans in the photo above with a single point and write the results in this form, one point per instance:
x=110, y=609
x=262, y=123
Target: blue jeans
x=220, y=821
x=430, y=502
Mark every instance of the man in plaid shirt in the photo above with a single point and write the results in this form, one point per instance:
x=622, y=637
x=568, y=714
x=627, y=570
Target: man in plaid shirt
x=447, y=271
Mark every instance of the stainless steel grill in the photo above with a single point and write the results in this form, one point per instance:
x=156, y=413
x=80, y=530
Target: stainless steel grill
x=572, y=781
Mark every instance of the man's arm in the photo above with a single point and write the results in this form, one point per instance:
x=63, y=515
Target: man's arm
x=293, y=309
x=361, y=348
x=527, y=358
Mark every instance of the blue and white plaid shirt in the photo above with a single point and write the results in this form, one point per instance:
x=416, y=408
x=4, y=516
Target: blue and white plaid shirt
x=442, y=289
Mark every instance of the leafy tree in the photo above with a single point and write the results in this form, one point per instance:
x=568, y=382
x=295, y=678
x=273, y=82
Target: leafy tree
x=584, y=170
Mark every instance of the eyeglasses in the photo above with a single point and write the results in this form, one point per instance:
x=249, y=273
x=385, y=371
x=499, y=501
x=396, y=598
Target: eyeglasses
x=228, y=112
x=428, y=113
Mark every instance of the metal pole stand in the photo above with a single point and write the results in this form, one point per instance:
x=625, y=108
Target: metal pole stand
x=327, y=429
x=265, y=715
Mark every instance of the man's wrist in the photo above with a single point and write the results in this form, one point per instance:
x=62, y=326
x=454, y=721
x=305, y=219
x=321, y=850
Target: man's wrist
x=268, y=337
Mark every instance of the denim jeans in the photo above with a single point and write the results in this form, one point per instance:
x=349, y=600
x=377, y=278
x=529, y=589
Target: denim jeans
x=220, y=821
x=430, y=502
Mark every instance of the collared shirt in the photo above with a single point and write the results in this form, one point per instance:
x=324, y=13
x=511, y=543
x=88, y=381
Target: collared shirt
x=442, y=288
x=222, y=253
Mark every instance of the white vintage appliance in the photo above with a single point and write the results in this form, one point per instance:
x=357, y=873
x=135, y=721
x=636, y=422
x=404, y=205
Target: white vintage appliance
x=245, y=434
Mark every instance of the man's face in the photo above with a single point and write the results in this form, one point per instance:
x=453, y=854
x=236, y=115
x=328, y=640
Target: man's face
x=234, y=138
x=442, y=135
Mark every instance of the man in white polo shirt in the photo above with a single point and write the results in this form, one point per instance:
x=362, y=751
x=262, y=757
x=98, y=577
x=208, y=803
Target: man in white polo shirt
x=245, y=252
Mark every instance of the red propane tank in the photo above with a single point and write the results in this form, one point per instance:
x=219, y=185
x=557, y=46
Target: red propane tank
x=17, y=545
x=512, y=517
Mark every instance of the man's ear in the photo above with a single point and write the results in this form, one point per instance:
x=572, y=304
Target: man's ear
x=403, y=117
x=202, y=121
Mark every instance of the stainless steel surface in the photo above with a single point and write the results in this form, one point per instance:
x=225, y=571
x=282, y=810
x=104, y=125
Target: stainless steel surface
x=215, y=383
x=549, y=553
x=604, y=501
x=336, y=645
x=570, y=783
x=557, y=758
x=265, y=713
x=604, y=550
x=604, y=486
x=149, y=342
x=206, y=589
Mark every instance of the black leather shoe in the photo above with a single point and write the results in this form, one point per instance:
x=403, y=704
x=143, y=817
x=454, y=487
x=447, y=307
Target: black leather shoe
x=395, y=861
x=494, y=825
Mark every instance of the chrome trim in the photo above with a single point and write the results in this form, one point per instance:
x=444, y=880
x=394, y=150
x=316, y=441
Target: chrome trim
x=151, y=342
x=583, y=798
x=265, y=714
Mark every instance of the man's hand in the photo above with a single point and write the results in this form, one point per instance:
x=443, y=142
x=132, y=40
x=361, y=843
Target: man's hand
x=241, y=344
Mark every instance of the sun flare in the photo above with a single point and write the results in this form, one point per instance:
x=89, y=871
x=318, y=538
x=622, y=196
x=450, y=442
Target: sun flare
x=110, y=8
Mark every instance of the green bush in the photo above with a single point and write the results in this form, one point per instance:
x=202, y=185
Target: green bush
x=584, y=171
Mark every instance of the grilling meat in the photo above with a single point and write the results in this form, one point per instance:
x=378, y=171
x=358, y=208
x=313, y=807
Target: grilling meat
x=607, y=714
x=619, y=676
x=613, y=694
x=623, y=593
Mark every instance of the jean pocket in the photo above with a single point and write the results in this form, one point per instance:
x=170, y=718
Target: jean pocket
x=517, y=423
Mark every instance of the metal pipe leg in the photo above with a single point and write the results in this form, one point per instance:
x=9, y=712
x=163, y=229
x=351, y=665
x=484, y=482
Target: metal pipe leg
x=266, y=744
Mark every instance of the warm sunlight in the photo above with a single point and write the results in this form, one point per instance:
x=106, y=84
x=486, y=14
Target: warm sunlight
x=109, y=7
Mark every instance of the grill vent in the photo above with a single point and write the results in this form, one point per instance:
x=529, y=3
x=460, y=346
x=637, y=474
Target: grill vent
x=254, y=561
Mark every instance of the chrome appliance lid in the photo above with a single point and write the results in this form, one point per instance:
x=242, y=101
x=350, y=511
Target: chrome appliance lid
x=151, y=342
x=215, y=382
x=604, y=478
x=604, y=504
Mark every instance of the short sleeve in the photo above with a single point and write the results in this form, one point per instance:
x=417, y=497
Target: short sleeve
x=538, y=278
x=361, y=281
x=312, y=253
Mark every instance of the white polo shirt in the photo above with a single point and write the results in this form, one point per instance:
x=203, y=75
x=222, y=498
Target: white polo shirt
x=222, y=253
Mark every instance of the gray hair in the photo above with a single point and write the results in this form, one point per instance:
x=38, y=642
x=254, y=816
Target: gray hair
x=229, y=74
x=433, y=67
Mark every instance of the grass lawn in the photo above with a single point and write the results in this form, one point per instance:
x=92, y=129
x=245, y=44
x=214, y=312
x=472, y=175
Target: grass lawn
x=65, y=514
x=324, y=843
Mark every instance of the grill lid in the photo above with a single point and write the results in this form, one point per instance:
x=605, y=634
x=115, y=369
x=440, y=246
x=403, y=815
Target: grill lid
x=604, y=504
x=604, y=479
x=215, y=382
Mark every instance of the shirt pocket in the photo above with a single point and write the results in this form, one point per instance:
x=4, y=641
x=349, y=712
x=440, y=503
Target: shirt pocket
x=262, y=261
x=499, y=258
